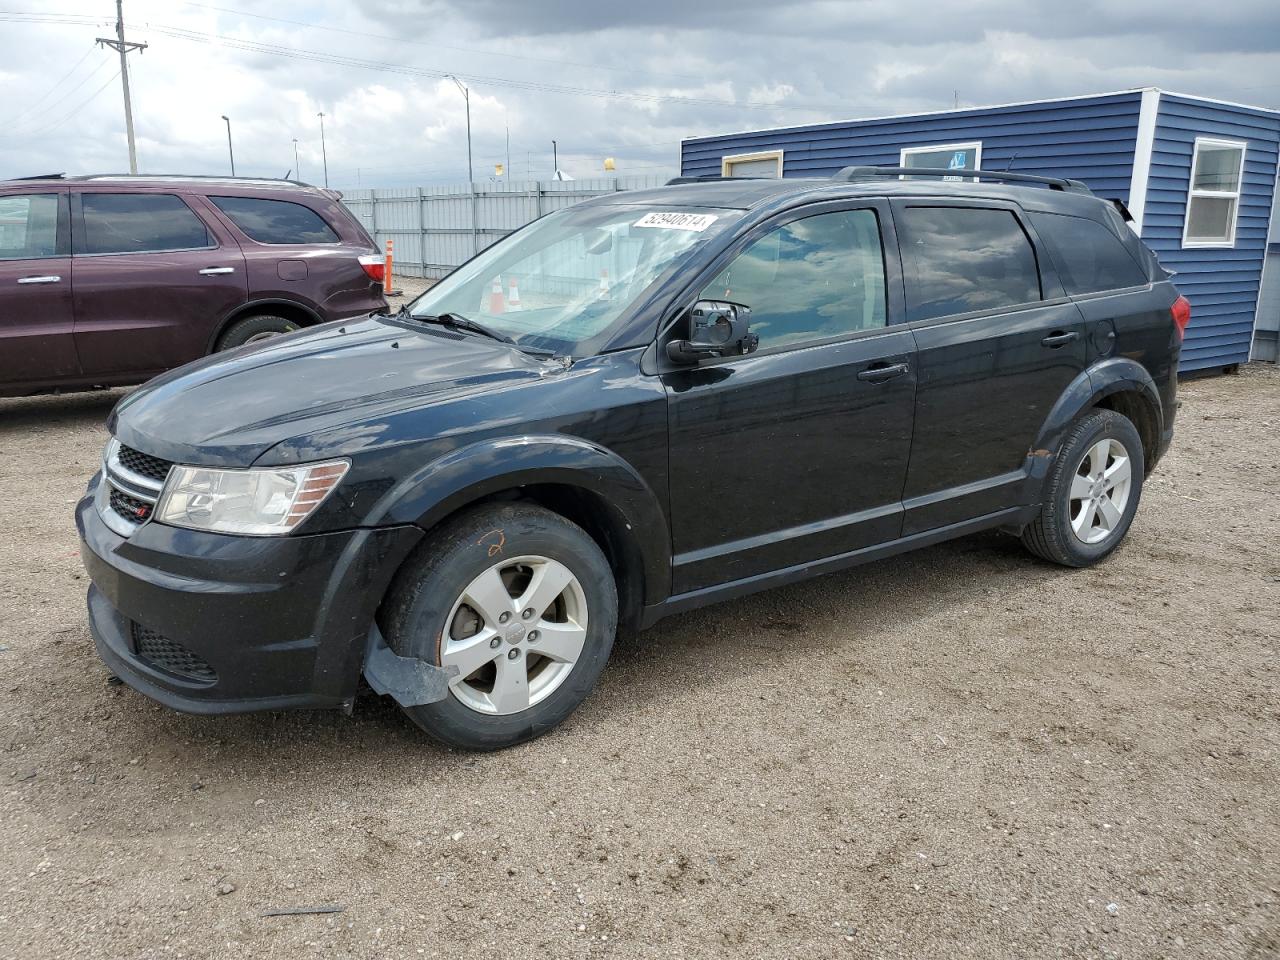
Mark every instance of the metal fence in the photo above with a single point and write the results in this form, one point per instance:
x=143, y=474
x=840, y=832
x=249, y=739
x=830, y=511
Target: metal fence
x=437, y=228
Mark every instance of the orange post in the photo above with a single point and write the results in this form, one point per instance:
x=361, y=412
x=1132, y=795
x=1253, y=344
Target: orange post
x=386, y=274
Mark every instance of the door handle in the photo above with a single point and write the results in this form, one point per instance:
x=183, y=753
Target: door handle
x=878, y=373
x=214, y=271
x=50, y=279
x=1059, y=339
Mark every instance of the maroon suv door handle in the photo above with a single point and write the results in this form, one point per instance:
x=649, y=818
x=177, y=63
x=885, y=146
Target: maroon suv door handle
x=214, y=271
x=48, y=279
x=880, y=372
x=1059, y=339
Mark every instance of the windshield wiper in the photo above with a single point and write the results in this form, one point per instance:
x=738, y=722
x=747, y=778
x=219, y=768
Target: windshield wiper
x=458, y=322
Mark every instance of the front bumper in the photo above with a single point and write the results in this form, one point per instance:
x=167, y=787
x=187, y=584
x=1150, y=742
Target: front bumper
x=240, y=623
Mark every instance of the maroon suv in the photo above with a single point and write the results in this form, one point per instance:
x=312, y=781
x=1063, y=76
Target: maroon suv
x=107, y=281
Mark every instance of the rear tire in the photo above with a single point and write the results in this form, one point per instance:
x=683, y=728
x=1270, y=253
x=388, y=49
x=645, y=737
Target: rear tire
x=523, y=603
x=1092, y=492
x=254, y=329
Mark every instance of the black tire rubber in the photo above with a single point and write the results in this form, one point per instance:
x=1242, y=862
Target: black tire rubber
x=422, y=596
x=1050, y=536
x=238, y=334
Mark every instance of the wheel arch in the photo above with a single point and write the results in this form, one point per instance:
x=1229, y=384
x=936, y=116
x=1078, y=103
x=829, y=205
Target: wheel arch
x=300, y=313
x=582, y=482
x=1118, y=384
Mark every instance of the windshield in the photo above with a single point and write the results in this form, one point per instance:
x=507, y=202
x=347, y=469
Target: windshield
x=562, y=282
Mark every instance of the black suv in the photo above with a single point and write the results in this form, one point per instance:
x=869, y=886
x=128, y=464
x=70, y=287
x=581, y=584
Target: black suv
x=632, y=407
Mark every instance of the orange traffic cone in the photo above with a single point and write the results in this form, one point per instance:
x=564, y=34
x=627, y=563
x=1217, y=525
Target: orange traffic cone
x=496, y=302
x=513, y=296
x=604, y=284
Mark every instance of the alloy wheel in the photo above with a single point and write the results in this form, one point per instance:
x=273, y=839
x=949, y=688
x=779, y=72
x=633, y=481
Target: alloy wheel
x=514, y=635
x=1100, y=491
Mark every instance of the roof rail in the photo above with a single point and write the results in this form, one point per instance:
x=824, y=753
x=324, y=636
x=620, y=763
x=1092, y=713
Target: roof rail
x=1053, y=183
x=190, y=176
x=710, y=178
x=44, y=176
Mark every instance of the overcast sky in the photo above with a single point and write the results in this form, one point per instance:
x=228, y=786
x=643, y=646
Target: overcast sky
x=603, y=79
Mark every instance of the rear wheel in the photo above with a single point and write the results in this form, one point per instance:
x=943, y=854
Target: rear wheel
x=522, y=604
x=1092, y=492
x=254, y=330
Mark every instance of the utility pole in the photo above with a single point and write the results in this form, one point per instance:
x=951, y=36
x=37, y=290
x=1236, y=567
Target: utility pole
x=555, y=161
x=124, y=47
x=323, y=155
x=297, y=167
x=231, y=153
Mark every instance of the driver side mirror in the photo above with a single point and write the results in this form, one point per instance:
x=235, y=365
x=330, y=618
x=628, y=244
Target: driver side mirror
x=717, y=328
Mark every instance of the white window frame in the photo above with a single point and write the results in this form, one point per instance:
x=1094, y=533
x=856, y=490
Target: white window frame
x=1192, y=193
x=727, y=162
x=974, y=145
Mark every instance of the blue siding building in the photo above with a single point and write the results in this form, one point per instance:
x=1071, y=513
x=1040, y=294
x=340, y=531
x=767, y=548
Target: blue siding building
x=1198, y=175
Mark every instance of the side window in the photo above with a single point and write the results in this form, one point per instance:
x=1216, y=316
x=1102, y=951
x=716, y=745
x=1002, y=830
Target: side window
x=963, y=259
x=1089, y=257
x=139, y=223
x=819, y=277
x=275, y=221
x=28, y=226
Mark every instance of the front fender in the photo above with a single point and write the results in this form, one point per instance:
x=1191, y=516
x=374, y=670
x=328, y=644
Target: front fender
x=1113, y=375
x=478, y=470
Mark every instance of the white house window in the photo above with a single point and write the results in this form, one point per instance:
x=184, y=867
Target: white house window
x=765, y=164
x=1213, y=202
x=947, y=156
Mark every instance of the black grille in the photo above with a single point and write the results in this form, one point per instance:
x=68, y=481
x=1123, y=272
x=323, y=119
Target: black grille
x=131, y=508
x=169, y=656
x=143, y=463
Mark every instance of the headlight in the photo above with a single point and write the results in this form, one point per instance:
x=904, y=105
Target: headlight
x=262, y=502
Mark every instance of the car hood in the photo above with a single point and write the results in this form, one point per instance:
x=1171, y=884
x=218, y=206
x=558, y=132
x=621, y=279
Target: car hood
x=229, y=409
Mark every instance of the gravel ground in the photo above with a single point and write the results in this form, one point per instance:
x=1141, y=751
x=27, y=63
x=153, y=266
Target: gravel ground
x=956, y=753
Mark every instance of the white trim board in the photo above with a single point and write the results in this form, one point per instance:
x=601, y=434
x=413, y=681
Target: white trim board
x=1148, y=115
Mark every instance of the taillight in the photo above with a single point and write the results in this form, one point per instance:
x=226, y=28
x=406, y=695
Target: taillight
x=375, y=265
x=1181, y=313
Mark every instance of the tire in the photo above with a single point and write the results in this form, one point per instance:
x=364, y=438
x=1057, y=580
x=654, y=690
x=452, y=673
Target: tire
x=525, y=551
x=253, y=329
x=1080, y=531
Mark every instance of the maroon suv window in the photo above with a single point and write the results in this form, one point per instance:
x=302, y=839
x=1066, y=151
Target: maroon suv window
x=275, y=221
x=139, y=223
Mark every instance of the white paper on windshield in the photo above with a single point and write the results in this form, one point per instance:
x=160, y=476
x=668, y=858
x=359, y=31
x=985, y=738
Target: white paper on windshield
x=677, y=221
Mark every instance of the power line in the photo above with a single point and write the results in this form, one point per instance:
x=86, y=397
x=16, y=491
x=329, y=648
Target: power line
x=84, y=103
x=31, y=108
x=66, y=95
x=433, y=44
x=316, y=56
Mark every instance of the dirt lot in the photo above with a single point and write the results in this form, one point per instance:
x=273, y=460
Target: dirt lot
x=956, y=753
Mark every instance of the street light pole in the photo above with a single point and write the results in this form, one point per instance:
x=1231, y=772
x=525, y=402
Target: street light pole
x=466, y=96
x=230, y=152
x=555, y=161
x=324, y=155
x=297, y=167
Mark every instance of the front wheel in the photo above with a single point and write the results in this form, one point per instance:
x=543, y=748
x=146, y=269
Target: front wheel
x=1092, y=492
x=522, y=604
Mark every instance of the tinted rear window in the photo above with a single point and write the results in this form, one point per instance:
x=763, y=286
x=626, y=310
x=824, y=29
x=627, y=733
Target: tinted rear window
x=1089, y=256
x=275, y=221
x=963, y=259
x=139, y=223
